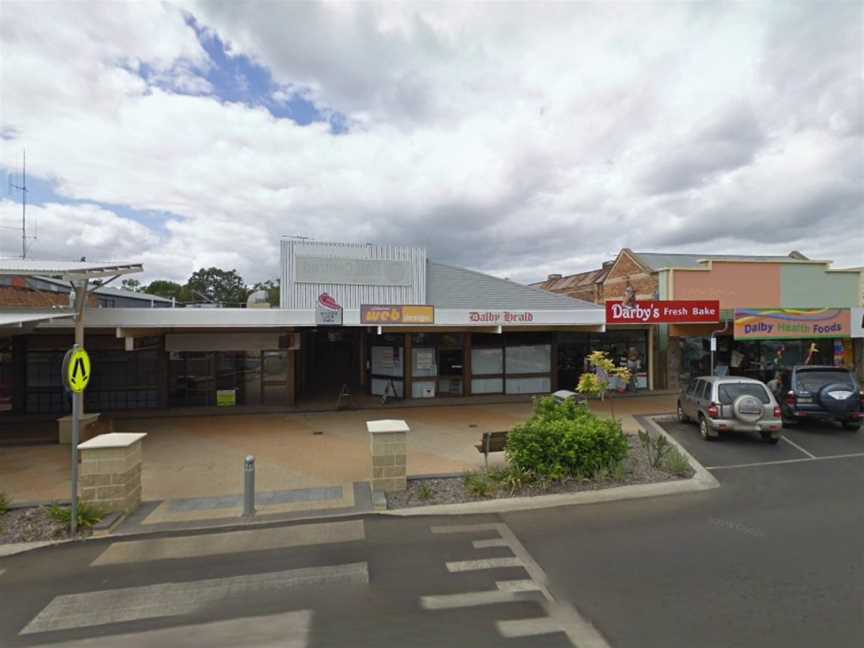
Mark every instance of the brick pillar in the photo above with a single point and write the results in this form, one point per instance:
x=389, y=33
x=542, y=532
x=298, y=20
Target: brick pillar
x=111, y=471
x=387, y=441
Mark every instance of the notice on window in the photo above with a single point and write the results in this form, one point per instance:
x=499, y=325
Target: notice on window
x=425, y=359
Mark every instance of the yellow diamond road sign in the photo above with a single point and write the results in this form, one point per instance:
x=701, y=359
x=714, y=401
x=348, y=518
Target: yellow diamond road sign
x=77, y=370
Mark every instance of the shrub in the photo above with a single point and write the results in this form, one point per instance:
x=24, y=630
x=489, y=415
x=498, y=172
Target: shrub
x=479, y=485
x=565, y=440
x=676, y=463
x=656, y=446
x=5, y=502
x=510, y=478
x=424, y=493
x=88, y=514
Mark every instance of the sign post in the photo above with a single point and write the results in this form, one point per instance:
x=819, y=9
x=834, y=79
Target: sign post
x=76, y=376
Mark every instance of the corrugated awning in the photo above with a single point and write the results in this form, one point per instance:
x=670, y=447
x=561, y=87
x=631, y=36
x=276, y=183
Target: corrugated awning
x=69, y=270
x=19, y=318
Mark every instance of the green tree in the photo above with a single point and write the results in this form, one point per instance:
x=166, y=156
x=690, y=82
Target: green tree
x=165, y=288
x=131, y=284
x=217, y=286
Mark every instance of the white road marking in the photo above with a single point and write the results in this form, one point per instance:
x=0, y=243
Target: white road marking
x=526, y=585
x=562, y=616
x=492, y=542
x=174, y=599
x=780, y=462
x=229, y=542
x=467, y=599
x=798, y=447
x=286, y=630
x=528, y=627
x=485, y=563
x=465, y=528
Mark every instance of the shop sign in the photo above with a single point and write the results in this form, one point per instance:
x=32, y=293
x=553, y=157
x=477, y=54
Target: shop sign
x=500, y=317
x=226, y=397
x=857, y=322
x=327, y=311
x=677, y=311
x=403, y=314
x=791, y=323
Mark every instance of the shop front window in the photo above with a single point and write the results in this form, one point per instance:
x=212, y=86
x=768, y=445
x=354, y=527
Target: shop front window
x=387, y=365
x=6, y=375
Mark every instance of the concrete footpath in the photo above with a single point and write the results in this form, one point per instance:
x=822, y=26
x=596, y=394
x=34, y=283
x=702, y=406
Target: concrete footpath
x=312, y=464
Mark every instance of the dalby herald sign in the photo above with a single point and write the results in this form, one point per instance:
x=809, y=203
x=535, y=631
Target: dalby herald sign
x=677, y=311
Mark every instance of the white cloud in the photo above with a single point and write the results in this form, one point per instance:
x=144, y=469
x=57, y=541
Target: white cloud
x=520, y=138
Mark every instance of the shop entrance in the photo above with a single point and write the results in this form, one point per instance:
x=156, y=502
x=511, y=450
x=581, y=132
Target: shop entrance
x=331, y=361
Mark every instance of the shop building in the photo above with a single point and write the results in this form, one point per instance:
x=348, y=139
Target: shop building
x=809, y=300
x=353, y=318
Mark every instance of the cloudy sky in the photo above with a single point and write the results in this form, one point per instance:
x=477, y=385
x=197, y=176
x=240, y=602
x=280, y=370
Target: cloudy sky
x=518, y=139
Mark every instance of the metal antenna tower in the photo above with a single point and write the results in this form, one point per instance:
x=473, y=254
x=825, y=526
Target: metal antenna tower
x=23, y=189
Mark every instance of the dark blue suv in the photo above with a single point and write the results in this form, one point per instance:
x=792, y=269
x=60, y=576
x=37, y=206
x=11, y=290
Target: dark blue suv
x=821, y=392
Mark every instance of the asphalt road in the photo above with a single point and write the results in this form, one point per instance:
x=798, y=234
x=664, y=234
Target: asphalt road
x=775, y=557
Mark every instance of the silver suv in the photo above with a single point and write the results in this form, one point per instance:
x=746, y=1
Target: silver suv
x=720, y=404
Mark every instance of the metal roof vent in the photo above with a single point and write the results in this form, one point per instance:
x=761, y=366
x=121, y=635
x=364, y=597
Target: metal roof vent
x=258, y=299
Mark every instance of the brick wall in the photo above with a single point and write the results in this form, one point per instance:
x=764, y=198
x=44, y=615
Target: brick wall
x=625, y=268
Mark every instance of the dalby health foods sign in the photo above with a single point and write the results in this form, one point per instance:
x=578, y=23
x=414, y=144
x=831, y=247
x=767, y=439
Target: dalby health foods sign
x=676, y=311
x=791, y=323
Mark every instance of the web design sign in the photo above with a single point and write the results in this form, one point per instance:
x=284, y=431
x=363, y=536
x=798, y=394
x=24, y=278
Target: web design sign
x=374, y=314
x=791, y=323
x=676, y=311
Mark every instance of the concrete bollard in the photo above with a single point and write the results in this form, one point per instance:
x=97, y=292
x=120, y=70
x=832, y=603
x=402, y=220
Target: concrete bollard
x=249, y=487
x=388, y=444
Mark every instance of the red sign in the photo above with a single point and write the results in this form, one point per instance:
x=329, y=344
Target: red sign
x=676, y=311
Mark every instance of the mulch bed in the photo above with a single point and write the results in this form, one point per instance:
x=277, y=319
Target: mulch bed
x=451, y=490
x=31, y=525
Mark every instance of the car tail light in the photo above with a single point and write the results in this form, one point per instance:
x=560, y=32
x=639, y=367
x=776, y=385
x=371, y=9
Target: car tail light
x=791, y=398
x=777, y=412
x=714, y=410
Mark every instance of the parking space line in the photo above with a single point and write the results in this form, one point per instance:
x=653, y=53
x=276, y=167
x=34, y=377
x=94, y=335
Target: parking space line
x=525, y=585
x=492, y=542
x=788, y=461
x=486, y=563
x=798, y=447
x=467, y=599
x=513, y=628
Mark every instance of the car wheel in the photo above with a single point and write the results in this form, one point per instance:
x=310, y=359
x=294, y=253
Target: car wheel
x=854, y=427
x=767, y=438
x=682, y=417
x=703, y=429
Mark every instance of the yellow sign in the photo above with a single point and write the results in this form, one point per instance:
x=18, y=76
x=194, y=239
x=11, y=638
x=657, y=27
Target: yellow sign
x=226, y=397
x=77, y=370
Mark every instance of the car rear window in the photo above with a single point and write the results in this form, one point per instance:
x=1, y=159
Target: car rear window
x=816, y=380
x=728, y=392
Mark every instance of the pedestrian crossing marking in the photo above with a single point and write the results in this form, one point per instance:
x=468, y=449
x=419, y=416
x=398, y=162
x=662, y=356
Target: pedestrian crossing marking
x=174, y=599
x=467, y=599
x=284, y=630
x=230, y=542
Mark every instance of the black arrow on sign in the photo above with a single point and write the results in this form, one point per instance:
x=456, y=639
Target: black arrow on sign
x=79, y=363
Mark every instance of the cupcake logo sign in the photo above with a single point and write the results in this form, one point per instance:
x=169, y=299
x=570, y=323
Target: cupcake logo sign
x=328, y=312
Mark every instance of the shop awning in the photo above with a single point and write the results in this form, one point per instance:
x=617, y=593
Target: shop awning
x=17, y=319
x=68, y=270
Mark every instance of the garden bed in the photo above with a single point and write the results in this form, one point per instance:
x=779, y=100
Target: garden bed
x=636, y=468
x=32, y=524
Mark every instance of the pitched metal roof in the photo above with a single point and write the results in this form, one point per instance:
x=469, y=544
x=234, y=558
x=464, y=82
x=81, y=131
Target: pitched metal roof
x=66, y=269
x=452, y=287
x=658, y=260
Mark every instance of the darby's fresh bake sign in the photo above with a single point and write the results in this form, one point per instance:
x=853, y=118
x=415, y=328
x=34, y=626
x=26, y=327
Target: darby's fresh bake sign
x=676, y=311
x=500, y=317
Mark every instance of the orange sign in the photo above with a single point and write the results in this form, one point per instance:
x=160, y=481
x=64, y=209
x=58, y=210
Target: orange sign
x=403, y=314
